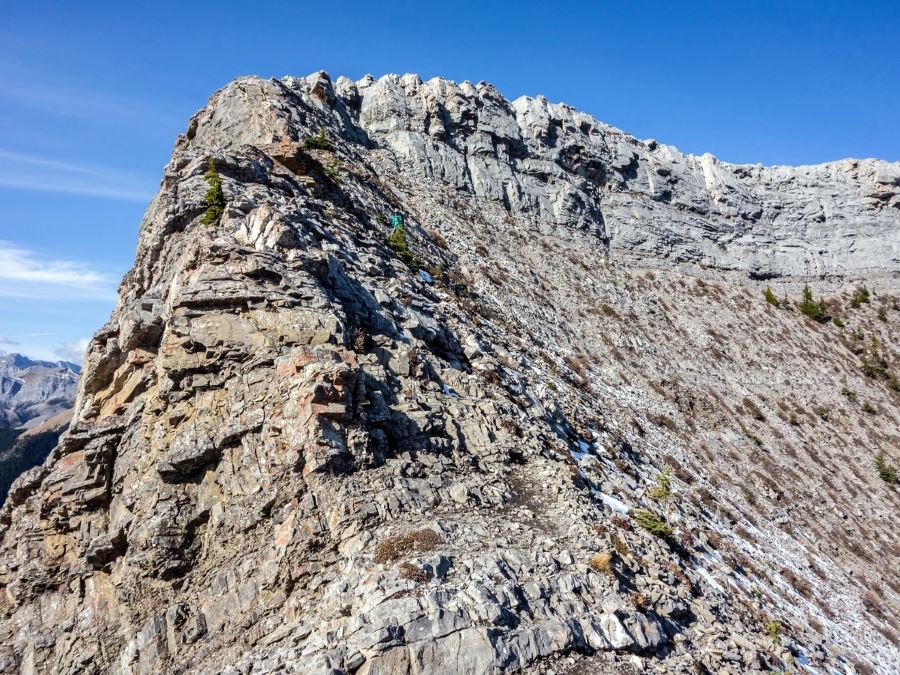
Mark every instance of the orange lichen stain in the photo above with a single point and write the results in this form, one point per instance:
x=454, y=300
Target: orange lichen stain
x=349, y=358
x=286, y=369
x=55, y=545
x=285, y=531
x=70, y=460
x=305, y=398
x=300, y=358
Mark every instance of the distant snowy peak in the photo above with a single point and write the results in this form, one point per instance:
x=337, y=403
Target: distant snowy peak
x=32, y=391
x=20, y=361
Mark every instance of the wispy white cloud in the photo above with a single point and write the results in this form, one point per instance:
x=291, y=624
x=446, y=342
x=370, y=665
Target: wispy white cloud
x=26, y=171
x=95, y=106
x=72, y=351
x=25, y=274
x=6, y=341
x=50, y=185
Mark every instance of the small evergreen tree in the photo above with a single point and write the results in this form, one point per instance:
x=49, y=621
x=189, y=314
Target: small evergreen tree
x=856, y=338
x=807, y=295
x=663, y=489
x=861, y=296
x=874, y=364
x=318, y=142
x=214, y=198
x=654, y=525
x=887, y=472
x=847, y=391
x=397, y=241
x=773, y=628
x=815, y=310
x=770, y=296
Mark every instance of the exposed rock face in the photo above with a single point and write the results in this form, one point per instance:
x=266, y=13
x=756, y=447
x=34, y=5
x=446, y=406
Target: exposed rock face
x=34, y=391
x=290, y=451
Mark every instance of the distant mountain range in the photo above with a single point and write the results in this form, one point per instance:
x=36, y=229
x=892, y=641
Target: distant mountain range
x=32, y=392
x=24, y=449
x=36, y=399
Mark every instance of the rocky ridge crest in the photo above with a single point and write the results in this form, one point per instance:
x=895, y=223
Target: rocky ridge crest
x=291, y=450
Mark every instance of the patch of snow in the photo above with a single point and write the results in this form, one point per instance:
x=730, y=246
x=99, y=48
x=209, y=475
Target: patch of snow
x=583, y=454
x=613, y=503
x=579, y=460
x=805, y=663
x=448, y=391
x=703, y=572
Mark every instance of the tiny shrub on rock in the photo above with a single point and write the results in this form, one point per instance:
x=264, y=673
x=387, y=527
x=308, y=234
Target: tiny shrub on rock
x=847, y=392
x=398, y=546
x=318, y=142
x=619, y=545
x=663, y=421
x=653, y=524
x=412, y=572
x=609, y=311
x=861, y=296
x=639, y=600
x=773, y=629
x=887, y=472
x=601, y=562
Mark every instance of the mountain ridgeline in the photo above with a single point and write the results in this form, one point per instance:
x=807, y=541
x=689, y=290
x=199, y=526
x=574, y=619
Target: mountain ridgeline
x=32, y=392
x=596, y=406
x=36, y=399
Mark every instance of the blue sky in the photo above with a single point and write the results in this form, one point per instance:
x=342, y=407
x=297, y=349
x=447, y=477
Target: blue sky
x=93, y=94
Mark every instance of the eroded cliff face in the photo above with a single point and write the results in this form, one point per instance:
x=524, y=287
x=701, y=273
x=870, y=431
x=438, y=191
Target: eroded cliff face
x=292, y=451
